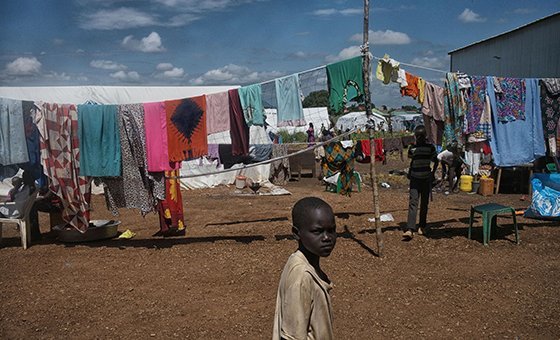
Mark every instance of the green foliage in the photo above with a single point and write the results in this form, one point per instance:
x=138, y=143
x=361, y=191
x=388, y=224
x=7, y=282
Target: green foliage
x=317, y=99
x=298, y=137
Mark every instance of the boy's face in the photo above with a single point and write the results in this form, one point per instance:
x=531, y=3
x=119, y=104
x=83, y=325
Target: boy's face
x=319, y=234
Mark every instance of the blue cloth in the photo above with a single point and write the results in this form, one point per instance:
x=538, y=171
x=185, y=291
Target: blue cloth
x=546, y=196
x=251, y=103
x=13, y=146
x=290, y=108
x=521, y=141
x=100, y=146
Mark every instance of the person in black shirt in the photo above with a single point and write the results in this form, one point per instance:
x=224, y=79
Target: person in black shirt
x=421, y=174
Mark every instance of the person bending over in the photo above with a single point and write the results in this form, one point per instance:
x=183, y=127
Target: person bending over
x=303, y=304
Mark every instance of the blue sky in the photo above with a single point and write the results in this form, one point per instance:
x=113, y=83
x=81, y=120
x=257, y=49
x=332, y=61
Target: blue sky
x=217, y=42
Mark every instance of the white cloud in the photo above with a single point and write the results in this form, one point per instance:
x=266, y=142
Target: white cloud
x=151, y=43
x=58, y=76
x=431, y=62
x=23, y=66
x=325, y=12
x=107, y=65
x=164, y=66
x=131, y=76
x=58, y=41
x=348, y=52
x=200, y=6
x=386, y=37
x=234, y=74
x=167, y=70
x=121, y=18
x=80, y=51
x=524, y=10
x=469, y=16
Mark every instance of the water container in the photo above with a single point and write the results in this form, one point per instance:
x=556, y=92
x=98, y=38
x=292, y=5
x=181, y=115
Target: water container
x=466, y=183
x=486, y=186
x=240, y=182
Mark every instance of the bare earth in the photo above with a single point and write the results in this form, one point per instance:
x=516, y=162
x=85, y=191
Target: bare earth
x=220, y=281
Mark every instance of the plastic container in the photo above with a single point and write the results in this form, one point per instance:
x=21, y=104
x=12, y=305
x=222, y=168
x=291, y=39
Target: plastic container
x=240, y=182
x=486, y=186
x=466, y=183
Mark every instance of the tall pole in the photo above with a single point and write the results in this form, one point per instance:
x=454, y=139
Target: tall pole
x=367, y=100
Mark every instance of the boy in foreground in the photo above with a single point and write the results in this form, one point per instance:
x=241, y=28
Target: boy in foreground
x=303, y=304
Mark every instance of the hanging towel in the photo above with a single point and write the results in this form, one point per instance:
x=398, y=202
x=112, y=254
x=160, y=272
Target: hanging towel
x=346, y=83
x=290, y=109
x=132, y=189
x=33, y=166
x=251, y=102
x=186, y=128
x=433, y=101
x=60, y=157
x=239, y=130
x=13, y=147
x=434, y=129
x=363, y=150
x=510, y=103
x=157, y=151
x=520, y=141
x=421, y=90
x=217, y=112
x=100, y=146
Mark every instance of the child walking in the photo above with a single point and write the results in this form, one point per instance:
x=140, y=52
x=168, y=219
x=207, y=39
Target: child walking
x=303, y=304
x=422, y=154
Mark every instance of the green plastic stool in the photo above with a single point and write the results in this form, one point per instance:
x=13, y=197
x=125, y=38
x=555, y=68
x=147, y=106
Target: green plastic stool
x=489, y=212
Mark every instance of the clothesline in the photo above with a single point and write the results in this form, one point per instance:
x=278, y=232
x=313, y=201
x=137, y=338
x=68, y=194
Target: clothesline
x=417, y=66
x=247, y=166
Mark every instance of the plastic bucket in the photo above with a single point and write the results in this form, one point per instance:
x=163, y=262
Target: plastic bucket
x=240, y=181
x=466, y=183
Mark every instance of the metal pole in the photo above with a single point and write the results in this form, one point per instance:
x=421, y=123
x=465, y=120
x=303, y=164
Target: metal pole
x=367, y=100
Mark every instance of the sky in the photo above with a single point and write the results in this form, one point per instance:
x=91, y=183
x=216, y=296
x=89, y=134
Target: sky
x=237, y=42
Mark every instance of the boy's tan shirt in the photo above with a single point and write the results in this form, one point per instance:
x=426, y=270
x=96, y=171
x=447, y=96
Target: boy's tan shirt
x=303, y=304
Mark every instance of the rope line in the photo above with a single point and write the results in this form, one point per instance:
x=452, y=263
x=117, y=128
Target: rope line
x=247, y=166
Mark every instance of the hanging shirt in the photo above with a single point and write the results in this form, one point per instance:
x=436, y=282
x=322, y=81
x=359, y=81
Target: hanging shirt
x=155, y=123
x=387, y=69
x=217, y=112
x=239, y=130
x=290, y=109
x=519, y=141
x=250, y=98
x=13, y=146
x=100, y=146
x=186, y=128
x=346, y=82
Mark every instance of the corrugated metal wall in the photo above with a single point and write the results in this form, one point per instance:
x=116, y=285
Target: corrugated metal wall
x=530, y=52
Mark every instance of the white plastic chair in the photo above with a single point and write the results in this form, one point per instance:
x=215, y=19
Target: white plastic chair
x=23, y=222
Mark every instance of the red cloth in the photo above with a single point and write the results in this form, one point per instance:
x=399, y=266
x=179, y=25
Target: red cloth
x=186, y=128
x=486, y=150
x=239, y=130
x=366, y=151
x=170, y=210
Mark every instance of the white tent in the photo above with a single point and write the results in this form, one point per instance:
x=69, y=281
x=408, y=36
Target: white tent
x=358, y=120
x=107, y=94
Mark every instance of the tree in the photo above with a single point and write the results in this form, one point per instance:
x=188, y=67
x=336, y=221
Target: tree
x=317, y=99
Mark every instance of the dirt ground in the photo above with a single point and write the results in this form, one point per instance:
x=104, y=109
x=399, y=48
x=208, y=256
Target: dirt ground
x=220, y=281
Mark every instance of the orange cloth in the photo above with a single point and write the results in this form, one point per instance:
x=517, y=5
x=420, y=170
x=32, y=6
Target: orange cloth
x=411, y=89
x=186, y=128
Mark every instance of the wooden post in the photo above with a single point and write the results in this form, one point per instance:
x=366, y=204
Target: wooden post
x=367, y=100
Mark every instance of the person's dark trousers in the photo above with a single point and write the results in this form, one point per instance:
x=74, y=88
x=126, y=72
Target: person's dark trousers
x=454, y=173
x=419, y=194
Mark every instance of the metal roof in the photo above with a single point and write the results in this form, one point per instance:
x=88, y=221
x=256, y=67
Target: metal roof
x=504, y=33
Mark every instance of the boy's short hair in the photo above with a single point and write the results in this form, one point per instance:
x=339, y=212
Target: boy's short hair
x=300, y=210
x=420, y=133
